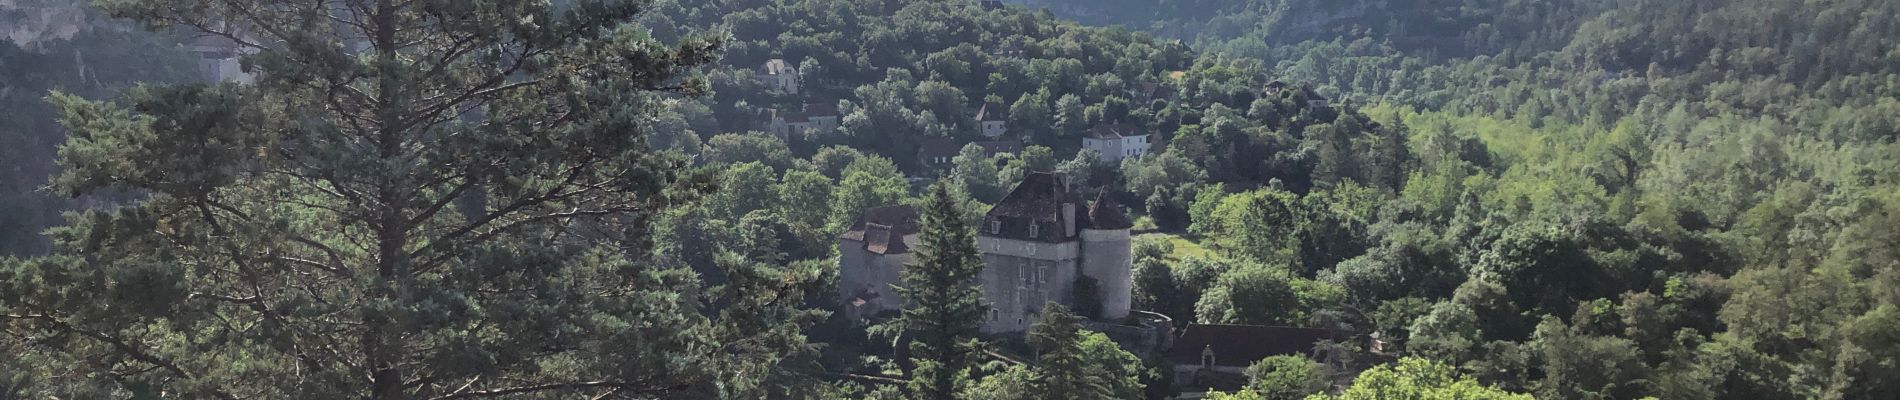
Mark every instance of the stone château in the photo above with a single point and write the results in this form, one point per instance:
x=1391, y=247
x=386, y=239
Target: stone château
x=1036, y=245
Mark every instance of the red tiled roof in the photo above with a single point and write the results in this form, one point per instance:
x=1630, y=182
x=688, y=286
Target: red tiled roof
x=1242, y=345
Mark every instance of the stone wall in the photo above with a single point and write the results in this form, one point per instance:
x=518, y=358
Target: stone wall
x=860, y=271
x=1019, y=277
x=1106, y=256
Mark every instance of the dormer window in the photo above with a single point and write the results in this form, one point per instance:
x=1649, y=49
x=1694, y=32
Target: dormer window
x=996, y=226
x=1035, y=230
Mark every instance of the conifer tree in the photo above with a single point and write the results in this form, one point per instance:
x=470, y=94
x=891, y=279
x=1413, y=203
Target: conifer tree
x=414, y=200
x=1074, y=363
x=946, y=305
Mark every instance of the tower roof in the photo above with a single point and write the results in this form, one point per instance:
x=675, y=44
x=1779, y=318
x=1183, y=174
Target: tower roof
x=1105, y=214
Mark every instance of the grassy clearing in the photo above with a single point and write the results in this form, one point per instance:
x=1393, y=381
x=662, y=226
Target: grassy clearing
x=1184, y=248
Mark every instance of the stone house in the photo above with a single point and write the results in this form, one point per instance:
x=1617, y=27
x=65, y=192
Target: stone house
x=779, y=75
x=870, y=255
x=1040, y=240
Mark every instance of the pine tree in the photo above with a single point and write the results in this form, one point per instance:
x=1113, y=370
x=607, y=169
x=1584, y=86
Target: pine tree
x=946, y=305
x=1073, y=363
x=414, y=200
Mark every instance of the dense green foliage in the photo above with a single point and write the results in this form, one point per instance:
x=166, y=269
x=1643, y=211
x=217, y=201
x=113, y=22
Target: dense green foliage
x=1574, y=199
x=946, y=306
x=1286, y=377
x=313, y=234
x=93, y=63
x=1605, y=199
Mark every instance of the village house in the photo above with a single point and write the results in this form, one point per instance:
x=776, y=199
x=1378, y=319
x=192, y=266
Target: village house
x=870, y=255
x=1115, y=142
x=990, y=120
x=779, y=75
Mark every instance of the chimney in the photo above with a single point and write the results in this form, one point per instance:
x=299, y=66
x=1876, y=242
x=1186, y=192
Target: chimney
x=1068, y=219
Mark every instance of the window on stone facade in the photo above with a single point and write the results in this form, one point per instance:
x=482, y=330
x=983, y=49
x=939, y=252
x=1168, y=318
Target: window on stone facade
x=996, y=226
x=1042, y=274
x=1035, y=229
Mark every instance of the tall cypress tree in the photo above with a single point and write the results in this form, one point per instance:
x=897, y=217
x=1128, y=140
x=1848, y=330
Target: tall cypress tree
x=946, y=305
x=415, y=200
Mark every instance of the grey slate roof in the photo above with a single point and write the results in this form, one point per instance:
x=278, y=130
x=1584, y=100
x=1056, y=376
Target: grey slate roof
x=882, y=229
x=1114, y=131
x=1105, y=214
x=1242, y=345
x=1038, y=201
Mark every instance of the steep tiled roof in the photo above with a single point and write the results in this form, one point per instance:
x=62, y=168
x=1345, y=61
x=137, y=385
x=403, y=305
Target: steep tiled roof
x=1105, y=214
x=990, y=112
x=882, y=229
x=1242, y=345
x=1036, y=201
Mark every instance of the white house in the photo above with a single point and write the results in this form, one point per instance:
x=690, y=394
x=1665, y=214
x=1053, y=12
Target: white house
x=990, y=121
x=1116, y=141
x=780, y=76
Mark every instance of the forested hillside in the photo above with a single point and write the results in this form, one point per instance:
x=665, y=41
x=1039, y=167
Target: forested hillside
x=1670, y=199
x=1577, y=199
